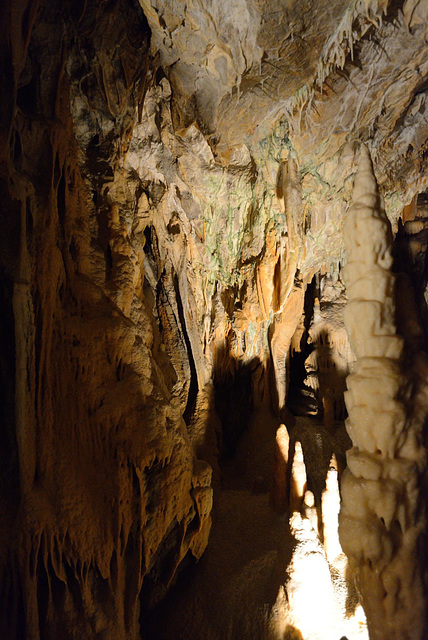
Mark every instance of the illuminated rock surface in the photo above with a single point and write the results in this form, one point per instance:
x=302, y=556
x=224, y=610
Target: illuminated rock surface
x=267, y=576
x=174, y=180
x=381, y=519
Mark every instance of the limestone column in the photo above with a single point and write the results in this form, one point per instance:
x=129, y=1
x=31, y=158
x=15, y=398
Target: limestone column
x=381, y=521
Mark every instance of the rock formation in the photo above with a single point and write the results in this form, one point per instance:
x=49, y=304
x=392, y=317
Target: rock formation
x=382, y=517
x=281, y=481
x=102, y=494
x=174, y=179
x=298, y=479
x=331, y=358
x=330, y=505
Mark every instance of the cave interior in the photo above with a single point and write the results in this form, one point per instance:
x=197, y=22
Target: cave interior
x=214, y=289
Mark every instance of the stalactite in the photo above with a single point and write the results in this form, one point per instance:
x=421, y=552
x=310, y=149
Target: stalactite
x=381, y=519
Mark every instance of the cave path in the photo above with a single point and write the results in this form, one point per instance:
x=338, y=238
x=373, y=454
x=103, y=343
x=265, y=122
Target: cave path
x=236, y=591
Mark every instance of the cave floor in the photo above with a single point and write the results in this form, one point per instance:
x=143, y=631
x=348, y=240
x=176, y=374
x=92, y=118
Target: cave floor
x=248, y=584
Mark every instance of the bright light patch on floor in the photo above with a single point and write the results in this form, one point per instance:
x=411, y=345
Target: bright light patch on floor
x=309, y=606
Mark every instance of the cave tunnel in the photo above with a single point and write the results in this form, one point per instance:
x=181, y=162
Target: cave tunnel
x=214, y=289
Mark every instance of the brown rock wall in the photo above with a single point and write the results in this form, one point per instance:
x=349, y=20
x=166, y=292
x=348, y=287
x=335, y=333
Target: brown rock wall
x=102, y=490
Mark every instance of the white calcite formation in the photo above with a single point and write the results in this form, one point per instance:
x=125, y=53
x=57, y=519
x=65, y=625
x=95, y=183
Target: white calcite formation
x=330, y=504
x=298, y=479
x=280, y=488
x=310, y=511
x=380, y=520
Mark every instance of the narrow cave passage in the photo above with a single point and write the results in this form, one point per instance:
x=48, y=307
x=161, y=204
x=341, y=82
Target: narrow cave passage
x=256, y=568
x=274, y=568
x=268, y=561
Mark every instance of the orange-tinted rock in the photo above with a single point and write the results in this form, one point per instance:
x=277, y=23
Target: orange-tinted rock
x=281, y=475
x=162, y=215
x=298, y=480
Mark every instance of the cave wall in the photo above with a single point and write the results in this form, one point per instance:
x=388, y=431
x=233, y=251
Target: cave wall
x=171, y=184
x=102, y=496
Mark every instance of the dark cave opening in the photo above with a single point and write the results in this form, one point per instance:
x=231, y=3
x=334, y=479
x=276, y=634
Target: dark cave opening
x=301, y=399
x=237, y=383
x=193, y=384
x=234, y=404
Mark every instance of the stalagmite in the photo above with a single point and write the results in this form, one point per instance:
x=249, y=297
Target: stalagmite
x=311, y=511
x=279, y=496
x=298, y=479
x=381, y=519
x=330, y=505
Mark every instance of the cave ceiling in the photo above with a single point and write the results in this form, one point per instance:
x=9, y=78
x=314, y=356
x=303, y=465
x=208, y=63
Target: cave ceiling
x=338, y=73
